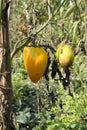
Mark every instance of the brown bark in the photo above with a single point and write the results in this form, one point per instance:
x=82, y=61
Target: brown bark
x=5, y=71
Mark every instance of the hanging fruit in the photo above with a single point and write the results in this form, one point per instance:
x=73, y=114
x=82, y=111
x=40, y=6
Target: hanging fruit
x=35, y=61
x=58, y=50
x=65, y=55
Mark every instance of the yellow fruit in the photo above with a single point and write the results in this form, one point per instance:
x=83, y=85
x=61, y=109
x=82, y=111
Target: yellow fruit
x=66, y=56
x=35, y=61
x=58, y=50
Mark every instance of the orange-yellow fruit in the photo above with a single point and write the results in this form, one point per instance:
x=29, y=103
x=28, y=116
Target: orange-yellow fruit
x=66, y=56
x=35, y=61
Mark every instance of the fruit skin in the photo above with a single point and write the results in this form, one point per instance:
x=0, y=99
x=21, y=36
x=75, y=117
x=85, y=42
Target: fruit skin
x=66, y=56
x=58, y=50
x=35, y=61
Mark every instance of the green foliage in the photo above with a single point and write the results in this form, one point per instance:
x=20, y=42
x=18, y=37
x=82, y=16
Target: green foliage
x=69, y=11
x=43, y=114
x=55, y=103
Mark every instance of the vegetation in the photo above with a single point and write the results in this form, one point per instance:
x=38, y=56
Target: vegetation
x=58, y=101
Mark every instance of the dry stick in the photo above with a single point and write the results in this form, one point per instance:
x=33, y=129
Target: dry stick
x=33, y=36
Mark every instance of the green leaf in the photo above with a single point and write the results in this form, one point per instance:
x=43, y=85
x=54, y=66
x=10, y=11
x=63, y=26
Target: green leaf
x=78, y=2
x=22, y=119
x=51, y=127
x=73, y=126
x=75, y=27
x=69, y=11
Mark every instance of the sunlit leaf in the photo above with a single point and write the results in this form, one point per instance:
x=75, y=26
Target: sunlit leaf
x=69, y=11
x=22, y=119
x=75, y=27
x=78, y=2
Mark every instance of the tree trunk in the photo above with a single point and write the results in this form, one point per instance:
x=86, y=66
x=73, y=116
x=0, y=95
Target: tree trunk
x=5, y=70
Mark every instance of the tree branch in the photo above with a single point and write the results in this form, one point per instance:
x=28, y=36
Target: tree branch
x=16, y=49
x=33, y=36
